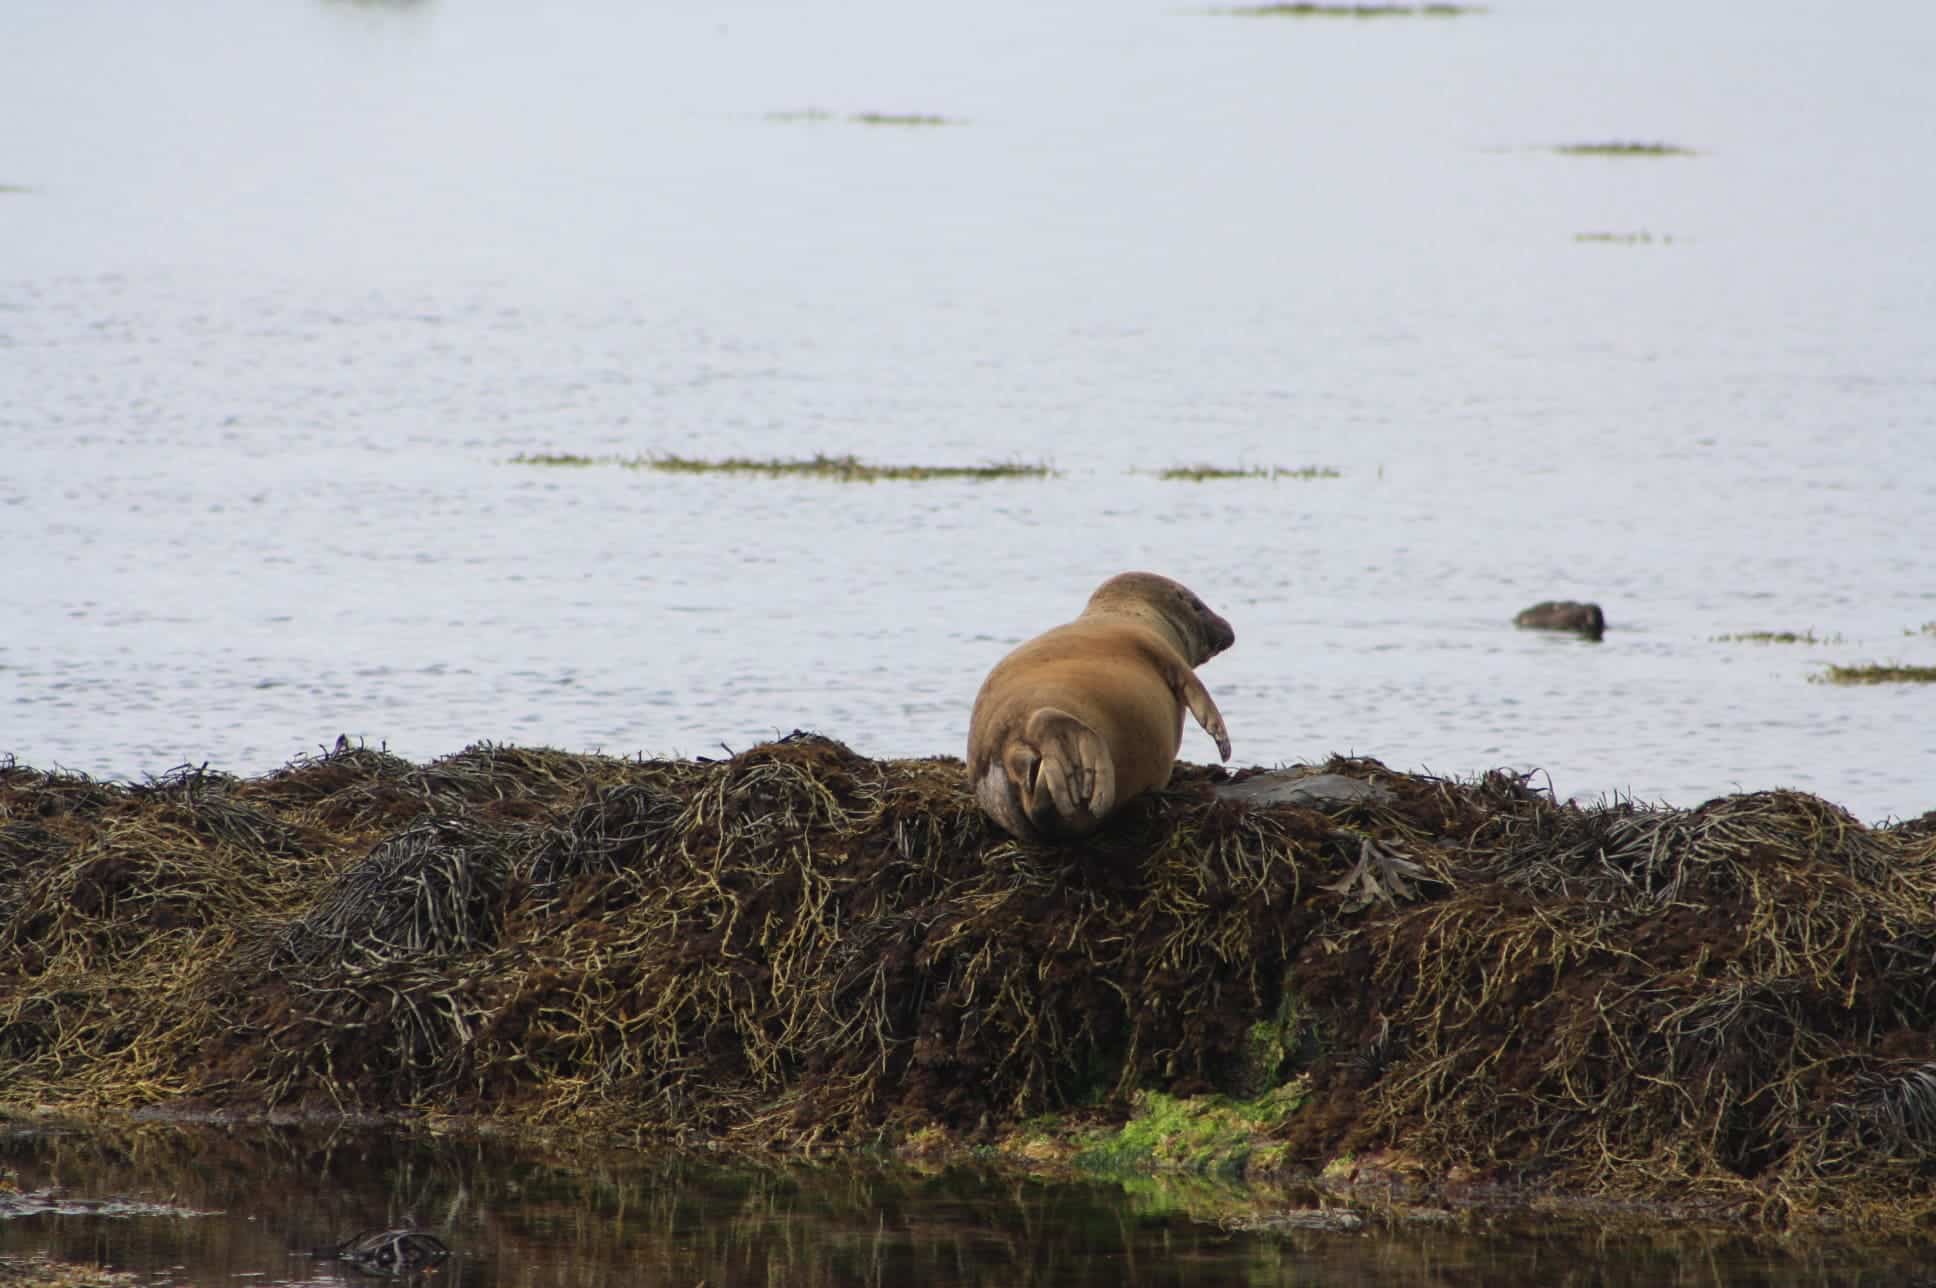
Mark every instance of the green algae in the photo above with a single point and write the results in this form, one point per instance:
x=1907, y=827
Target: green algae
x=1276, y=1047
x=1208, y=1135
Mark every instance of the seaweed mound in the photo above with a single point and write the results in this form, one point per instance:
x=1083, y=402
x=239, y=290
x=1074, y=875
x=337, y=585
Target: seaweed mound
x=798, y=946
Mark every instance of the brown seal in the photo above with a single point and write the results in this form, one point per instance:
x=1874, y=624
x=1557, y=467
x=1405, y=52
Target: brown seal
x=1081, y=718
x=1564, y=615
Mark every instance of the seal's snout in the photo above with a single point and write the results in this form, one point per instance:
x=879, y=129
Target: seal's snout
x=1215, y=632
x=1221, y=636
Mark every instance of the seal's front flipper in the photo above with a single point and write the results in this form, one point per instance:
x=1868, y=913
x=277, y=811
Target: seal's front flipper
x=1074, y=783
x=1204, y=707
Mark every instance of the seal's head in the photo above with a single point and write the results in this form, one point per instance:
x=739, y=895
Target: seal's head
x=1171, y=607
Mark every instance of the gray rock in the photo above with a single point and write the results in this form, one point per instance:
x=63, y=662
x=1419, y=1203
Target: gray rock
x=1302, y=787
x=1564, y=615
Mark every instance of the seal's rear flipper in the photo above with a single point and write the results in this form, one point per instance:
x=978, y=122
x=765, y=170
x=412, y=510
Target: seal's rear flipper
x=1000, y=797
x=1073, y=780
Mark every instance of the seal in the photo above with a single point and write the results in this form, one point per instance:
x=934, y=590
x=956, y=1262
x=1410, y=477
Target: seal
x=1090, y=714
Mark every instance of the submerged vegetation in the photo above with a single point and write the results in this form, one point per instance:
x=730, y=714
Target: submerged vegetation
x=1726, y=1008
x=1619, y=149
x=1876, y=674
x=844, y=469
x=1203, y=473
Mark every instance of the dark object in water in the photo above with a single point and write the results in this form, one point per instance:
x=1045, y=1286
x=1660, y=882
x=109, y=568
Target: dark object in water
x=1564, y=615
x=392, y=1254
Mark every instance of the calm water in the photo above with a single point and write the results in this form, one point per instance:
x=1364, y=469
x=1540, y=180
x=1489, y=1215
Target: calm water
x=250, y=1206
x=283, y=288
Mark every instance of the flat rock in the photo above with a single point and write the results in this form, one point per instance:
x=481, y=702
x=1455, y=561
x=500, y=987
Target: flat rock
x=1302, y=787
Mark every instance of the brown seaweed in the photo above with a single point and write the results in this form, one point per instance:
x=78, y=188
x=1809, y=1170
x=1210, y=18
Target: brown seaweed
x=1729, y=1007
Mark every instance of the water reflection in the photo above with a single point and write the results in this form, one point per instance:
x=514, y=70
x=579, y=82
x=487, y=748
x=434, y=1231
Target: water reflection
x=264, y=1199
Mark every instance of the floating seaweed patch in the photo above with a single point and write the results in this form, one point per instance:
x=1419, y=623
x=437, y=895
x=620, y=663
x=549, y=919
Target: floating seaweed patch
x=1777, y=637
x=844, y=469
x=1620, y=149
x=1642, y=238
x=815, y=115
x=1876, y=674
x=900, y=118
x=1349, y=11
x=1205, y=473
x=557, y=458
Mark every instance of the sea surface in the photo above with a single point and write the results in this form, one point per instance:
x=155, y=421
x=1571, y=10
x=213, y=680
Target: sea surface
x=287, y=288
